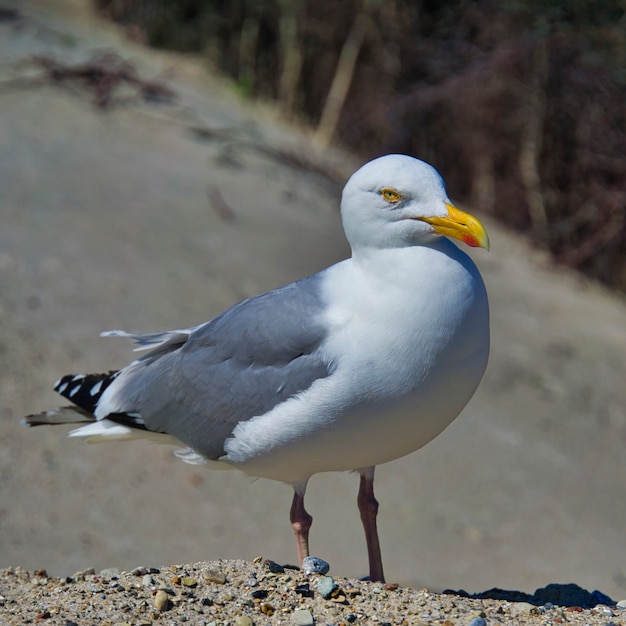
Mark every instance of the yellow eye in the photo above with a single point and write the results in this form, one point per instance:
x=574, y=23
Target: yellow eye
x=390, y=195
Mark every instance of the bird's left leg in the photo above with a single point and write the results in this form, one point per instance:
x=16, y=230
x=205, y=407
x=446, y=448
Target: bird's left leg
x=300, y=520
x=368, y=507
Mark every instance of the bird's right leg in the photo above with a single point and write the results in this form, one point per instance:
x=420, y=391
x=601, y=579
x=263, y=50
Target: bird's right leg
x=300, y=521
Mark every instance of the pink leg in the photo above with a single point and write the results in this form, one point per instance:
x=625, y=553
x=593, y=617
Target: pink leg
x=368, y=507
x=300, y=521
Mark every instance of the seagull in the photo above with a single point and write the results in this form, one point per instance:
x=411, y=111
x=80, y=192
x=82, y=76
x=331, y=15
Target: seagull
x=357, y=365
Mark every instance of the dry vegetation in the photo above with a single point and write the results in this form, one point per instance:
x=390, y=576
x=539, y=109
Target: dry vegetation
x=521, y=103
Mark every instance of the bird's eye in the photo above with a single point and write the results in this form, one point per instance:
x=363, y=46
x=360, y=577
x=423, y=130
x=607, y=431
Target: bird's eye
x=390, y=195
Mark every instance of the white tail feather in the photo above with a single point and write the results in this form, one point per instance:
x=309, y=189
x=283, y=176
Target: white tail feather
x=105, y=430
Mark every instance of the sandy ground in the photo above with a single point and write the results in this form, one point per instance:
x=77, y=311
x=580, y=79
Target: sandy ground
x=242, y=593
x=111, y=219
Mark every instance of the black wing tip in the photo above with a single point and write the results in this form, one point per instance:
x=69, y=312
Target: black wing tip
x=85, y=390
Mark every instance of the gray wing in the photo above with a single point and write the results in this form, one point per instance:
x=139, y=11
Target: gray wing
x=257, y=354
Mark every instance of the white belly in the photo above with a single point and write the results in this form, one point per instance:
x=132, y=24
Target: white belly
x=408, y=359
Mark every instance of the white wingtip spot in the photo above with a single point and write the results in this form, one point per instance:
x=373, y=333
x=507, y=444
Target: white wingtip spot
x=96, y=388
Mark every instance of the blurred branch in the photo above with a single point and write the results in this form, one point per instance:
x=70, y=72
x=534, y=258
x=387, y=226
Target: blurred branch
x=342, y=80
x=291, y=53
x=248, y=43
x=531, y=144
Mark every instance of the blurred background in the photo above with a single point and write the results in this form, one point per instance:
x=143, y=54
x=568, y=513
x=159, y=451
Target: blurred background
x=522, y=100
x=163, y=160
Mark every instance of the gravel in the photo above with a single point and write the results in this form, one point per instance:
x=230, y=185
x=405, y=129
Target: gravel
x=245, y=593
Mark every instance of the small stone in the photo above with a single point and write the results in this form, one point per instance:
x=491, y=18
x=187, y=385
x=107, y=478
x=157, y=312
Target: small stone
x=147, y=580
x=139, y=571
x=110, y=572
x=621, y=605
x=325, y=586
x=302, y=617
x=275, y=568
x=314, y=565
x=260, y=594
x=161, y=601
x=188, y=581
x=244, y=620
x=352, y=591
x=267, y=609
x=215, y=576
x=478, y=621
x=304, y=590
x=90, y=571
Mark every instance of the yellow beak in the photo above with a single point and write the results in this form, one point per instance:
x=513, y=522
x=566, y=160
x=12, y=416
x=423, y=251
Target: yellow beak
x=460, y=225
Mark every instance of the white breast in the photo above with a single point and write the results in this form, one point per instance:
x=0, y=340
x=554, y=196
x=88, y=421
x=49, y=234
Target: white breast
x=409, y=336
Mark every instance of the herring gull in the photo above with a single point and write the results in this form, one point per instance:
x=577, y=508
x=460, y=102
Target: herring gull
x=359, y=364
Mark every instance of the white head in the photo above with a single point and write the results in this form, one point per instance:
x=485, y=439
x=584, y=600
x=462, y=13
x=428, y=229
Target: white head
x=397, y=201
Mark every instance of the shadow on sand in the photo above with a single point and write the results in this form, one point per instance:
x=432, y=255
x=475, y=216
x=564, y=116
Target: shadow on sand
x=568, y=595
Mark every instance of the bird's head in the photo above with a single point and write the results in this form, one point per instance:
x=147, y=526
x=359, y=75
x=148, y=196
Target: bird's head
x=396, y=201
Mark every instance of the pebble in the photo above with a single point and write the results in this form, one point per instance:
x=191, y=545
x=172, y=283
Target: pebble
x=325, y=586
x=244, y=620
x=314, y=565
x=275, y=568
x=267, y=608
x=188, y=581
x=161, y=601
x=139, y=571
x=147, y=580
x=621, y=605
x=215, y=576
x=81, y=575
x=302, y=617
x=304, y=590
x=110, y=572
x=522, y=607
x=478, y=621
